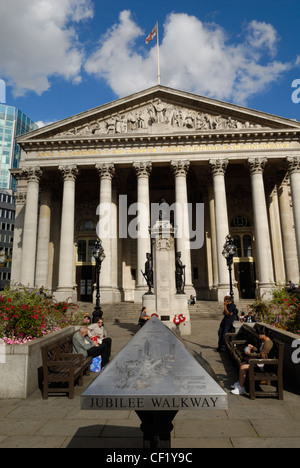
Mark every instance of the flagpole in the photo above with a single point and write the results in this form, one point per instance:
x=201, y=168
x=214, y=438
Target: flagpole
x=158, y=65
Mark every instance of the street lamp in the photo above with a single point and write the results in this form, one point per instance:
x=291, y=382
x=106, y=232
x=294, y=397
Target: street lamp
x=229, y=250
x=99, y=256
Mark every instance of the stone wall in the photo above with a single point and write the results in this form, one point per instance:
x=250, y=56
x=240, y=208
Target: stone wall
x=20, y=364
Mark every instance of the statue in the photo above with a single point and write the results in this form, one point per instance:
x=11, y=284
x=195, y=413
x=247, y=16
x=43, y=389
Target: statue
x=163, y=210
x=180, y=274
x=148, y=275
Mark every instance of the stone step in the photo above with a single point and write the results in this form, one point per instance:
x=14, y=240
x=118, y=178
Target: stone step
x=130, y=311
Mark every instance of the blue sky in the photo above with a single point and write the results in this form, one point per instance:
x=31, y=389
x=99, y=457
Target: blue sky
x=62, y=57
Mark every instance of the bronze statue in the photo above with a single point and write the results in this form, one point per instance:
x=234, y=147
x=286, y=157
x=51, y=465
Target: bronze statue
x=180, y=274
x=148, y=275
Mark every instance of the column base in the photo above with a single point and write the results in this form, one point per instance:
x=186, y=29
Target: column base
x=224, y=290
x=108, y=296
x=65, y=294
x=264, y=290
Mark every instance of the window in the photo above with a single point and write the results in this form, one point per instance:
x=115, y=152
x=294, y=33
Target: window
x=247, y=245
x=85, y=249
x=243, y=243
x=240, y=222
x=88, y=226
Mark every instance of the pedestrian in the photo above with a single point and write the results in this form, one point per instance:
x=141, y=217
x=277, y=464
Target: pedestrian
x=230, y=315
x=143, y=317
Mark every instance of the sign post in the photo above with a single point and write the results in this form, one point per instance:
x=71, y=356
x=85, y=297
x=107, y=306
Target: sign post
x=155, y=376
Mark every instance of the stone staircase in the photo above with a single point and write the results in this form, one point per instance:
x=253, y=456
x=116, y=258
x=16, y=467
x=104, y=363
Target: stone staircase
x=129, y=312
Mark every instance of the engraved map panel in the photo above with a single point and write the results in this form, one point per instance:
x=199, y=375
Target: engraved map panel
x=154, y=371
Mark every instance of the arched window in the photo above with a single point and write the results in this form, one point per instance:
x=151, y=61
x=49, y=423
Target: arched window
x=240, y=222
x=88, y=225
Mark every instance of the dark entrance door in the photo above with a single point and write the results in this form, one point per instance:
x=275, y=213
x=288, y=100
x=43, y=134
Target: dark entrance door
x=85, y=278
x=245, y=275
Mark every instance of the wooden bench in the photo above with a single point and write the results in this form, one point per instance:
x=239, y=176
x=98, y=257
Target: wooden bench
x=62, y=368
x=273, y=366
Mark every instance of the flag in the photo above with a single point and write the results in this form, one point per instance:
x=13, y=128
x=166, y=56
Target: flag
x=152, y=34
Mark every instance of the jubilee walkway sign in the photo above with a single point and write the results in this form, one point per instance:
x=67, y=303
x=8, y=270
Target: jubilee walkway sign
x=155, y=376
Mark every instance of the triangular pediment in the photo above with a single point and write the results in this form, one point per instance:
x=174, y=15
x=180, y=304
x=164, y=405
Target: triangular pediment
x=158, y=111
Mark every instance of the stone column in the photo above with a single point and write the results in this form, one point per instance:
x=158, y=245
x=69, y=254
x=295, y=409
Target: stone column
x=143, y=171
x=66, y=256
x=288, y=233
x=261, y=225
x=294, y=172
x=218, y=168
x=276, y=237
x=212, y=220
x=106, y=230
x=42, y=259
x=27, y=276
x=180, y=170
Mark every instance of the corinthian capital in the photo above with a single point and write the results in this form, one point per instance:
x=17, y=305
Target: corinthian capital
x=293, y=164
x=69, y=172
x=256, y=165
x=143, y=169
x=218, y=166
x=180, y=168
x=106, y=170
x=33, y=174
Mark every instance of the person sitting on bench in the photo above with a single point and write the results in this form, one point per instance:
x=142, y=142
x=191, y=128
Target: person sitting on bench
x=82, y=344
x=250, y=352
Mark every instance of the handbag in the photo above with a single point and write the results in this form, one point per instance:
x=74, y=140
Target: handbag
x=96, y=364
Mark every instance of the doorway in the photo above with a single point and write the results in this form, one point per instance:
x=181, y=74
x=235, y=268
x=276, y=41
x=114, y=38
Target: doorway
x=85, y=279
x=245, y=276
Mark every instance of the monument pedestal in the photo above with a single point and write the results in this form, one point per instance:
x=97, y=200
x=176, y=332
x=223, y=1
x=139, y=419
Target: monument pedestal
x=165, y=302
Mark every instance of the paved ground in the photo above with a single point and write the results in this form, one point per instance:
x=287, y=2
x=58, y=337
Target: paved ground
x=60, y=423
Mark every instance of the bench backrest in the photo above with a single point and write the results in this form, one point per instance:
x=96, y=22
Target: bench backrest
x=53, y=351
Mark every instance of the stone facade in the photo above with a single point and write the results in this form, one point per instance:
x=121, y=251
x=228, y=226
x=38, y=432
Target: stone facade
x=242, y=166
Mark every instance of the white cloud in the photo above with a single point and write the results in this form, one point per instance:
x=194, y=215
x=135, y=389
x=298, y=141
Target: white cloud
x=262, y=35
x=194, y=56
x=117, y=61
x=40, y=42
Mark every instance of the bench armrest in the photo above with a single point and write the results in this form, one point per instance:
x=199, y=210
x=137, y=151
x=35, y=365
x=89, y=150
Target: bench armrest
x=252, y=362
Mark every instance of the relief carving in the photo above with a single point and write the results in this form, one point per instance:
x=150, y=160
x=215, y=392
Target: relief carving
x=158, y=117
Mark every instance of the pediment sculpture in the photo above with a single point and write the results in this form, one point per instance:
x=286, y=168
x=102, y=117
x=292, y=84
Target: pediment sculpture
x=158, y=117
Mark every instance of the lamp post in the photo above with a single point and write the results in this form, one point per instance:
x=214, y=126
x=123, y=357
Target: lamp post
x=229, y=250
x=99, y=256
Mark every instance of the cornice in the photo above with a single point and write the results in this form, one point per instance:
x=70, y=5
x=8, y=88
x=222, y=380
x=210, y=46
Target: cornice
x=124, y=141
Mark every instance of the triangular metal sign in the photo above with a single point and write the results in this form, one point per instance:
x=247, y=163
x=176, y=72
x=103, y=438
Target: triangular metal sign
x=154, y=372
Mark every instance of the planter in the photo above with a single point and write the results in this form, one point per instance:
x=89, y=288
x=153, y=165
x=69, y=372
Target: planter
x=291, y=370
x=20, y=365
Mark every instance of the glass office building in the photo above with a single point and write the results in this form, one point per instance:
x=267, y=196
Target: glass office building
x=13, y=123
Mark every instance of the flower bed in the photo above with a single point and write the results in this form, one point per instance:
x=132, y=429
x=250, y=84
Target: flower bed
x=282, y=311
x=27, y=314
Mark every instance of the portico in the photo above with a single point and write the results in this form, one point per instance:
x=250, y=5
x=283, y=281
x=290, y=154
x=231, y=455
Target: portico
x=106, y=168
